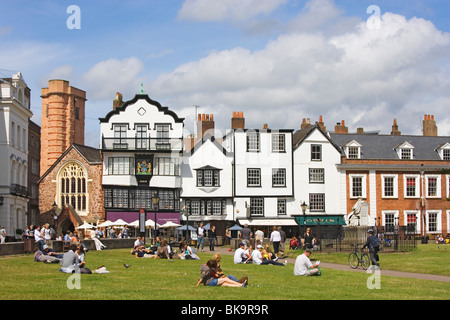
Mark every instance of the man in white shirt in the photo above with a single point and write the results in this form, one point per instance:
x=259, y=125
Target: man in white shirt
x=201, y=236
x=304, y=267
x=38, y=238
x=257, y=258
x=239, y=254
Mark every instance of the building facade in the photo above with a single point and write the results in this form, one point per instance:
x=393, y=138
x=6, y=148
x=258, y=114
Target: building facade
x=142, y=149
x=207, y=190
x=14, y=117
x=403, y=179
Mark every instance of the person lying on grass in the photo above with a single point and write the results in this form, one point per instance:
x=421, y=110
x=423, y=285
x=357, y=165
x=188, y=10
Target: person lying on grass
x=207, y=277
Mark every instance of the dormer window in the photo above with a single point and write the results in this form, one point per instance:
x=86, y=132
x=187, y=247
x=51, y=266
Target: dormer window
x=352, y=150
x=405, y=151
x=444, y=151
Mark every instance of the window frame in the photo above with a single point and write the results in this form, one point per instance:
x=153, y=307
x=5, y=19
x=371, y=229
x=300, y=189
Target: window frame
x=320, y=172
x=384, y=186
x=253, y=142
x=316, y=155
x=258, y=177
x=278, y=143
x=363, y=178
x=275, y=177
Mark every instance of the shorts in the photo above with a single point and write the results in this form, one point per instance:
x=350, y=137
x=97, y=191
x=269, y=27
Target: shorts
x=213, y=283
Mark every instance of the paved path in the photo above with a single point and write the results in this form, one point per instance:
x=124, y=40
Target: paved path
x=423, y=276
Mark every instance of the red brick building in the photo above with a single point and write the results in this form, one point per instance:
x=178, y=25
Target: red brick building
x=404, y=179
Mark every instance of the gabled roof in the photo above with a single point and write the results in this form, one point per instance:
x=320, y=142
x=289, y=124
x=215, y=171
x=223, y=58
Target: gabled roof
x=145, y=97
x=300, y=136
x=91, y=155
x=205, y=138
x=383, y=146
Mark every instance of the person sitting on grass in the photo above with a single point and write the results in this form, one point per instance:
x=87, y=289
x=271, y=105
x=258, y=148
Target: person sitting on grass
x=220, y=274
x=259, y=258
x=207, y=277
x=304, y=267
x=163, y=251
x=186, y=252
x=240, y=255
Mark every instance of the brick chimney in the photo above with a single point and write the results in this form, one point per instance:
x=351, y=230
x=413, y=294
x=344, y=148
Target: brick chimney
x=321, y=124
x=429, y=126
x=238, y=120
x=395, y=131
x=305, y=123
x=205, y=125
x=340, y=128
x=117, y=102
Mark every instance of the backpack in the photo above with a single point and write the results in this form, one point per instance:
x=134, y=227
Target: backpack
x=375, y=242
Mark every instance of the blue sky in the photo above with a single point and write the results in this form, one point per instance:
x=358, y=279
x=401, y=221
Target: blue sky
x=278, y=61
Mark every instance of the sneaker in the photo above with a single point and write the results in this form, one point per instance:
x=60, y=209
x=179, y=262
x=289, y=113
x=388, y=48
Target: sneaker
x=276, y=258
x=285, y=262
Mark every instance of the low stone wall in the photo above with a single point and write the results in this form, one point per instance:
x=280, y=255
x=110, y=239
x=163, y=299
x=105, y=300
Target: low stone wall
x=11, y=248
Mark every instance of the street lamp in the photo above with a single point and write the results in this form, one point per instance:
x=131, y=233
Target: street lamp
x=184, y=212
x=304, y=206
x=155, y=201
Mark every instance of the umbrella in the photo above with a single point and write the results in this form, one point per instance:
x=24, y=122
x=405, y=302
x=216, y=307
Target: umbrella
x=207, y=227
x=184, y=228
x=85, y=226
x=119, y=222
x=170, y=224
x=134, y=224
x=236, y=227
x=107, y=223
x=150, y=223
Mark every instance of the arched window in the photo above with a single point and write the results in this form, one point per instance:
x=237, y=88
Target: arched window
x=73, y=190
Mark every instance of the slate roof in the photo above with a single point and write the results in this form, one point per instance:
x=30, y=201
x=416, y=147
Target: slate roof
x=300, y=135
x=379, y=146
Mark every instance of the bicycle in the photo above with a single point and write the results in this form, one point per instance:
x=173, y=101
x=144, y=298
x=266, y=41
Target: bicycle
x=358, y=257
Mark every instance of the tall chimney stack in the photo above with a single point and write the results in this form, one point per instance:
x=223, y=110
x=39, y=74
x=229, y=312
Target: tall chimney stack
x=395, y=131
x=429, y=126
x=305, y=124
x=321, y=124
x=238, y=120
x=205, y=125
x=340, y=128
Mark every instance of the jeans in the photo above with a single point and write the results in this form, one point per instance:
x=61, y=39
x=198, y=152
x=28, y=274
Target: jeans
x=211, y=244
x=201, y=241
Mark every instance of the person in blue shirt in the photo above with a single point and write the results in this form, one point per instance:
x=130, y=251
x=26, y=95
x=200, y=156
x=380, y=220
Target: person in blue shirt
x=372, y=243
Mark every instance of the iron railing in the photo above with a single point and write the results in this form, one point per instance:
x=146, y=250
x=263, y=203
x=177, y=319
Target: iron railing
x=142, y=144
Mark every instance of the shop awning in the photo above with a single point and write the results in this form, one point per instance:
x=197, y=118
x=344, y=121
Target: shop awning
x=323, y=220
x=268, y=222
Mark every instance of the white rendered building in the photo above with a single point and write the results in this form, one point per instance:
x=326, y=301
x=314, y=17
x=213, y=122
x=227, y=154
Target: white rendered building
x=14, y=116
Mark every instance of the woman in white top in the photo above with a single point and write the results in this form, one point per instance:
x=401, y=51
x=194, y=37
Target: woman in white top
x=275, y=239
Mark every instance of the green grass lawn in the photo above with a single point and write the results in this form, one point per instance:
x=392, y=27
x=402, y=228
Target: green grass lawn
x=429, y=259
x=159, y=279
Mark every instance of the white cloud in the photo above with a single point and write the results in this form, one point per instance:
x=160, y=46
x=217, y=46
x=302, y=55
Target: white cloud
x=363, y=75
x=221, y=10
x=63, y=72
x=106, y=78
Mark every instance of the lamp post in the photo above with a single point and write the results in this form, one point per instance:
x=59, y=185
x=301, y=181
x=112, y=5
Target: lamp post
x=184, y=212
x=304, y=206
x=155, y=201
